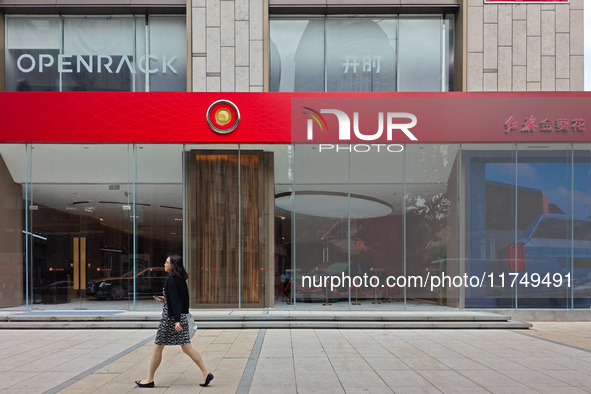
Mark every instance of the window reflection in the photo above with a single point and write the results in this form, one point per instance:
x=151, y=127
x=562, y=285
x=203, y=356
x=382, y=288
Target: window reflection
x=432, y=187
x=360, y=54
x=95, y=53
x=420, y=55
x=533, y=200
x=478, y=210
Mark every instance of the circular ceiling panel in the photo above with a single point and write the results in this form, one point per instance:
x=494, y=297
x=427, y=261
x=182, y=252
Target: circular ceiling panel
x=333, y=204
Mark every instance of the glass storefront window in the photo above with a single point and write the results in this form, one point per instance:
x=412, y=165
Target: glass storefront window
x=318, y=210
x=386, y=54
x=169, y=54
x=99, y=223
x=32, y=44
x=546, y=170
x=261, y=225
x=296, y=51
x=375, y=245
x=95, y=53
x=489, y=219
x=158, y=211
x=581, y=207
x=78, y=199
x=431, y=199
x=533, y=237
x=361, y=55
x=422, y=53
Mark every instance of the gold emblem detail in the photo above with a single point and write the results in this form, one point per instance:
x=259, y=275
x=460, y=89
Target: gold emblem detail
x=223, y=116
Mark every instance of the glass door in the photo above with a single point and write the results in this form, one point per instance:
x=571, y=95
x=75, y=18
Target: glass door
x=81, y=226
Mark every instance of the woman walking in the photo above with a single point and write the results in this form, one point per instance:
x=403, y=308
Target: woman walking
x=174, y=327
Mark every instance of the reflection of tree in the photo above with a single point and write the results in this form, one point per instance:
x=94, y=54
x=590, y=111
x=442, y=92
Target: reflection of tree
x=426, y=231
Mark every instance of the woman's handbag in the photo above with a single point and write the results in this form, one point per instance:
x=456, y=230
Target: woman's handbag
x=192, y=325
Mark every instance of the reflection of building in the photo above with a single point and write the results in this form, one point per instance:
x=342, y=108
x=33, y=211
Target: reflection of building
x=363, y=62
x=84, y=196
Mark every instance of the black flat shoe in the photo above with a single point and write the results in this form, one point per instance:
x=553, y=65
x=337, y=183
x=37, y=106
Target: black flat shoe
x=151, y=384
x=207, y=380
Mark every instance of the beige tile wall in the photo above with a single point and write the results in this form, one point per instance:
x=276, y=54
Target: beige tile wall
x=227, y=45
x=518, y=47
x=509, y=47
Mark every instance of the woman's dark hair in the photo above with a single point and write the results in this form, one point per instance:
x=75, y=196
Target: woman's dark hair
x=178, y=270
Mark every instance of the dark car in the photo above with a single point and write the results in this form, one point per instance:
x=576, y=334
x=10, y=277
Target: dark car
x=552, y=258
x=148, y=282
x=311, y=286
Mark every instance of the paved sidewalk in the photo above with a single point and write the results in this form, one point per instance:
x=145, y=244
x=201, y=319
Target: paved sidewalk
x=549, y=358
x=577, y=334
x=34, y=361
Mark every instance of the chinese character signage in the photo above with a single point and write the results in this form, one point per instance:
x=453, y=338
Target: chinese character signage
x=533, y=125
x=368, y=64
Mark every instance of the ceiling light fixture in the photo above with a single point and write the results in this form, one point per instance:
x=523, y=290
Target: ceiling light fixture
x=333, y=204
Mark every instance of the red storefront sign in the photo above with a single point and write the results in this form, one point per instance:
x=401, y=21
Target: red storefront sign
x=283, y=118
x=526, y=1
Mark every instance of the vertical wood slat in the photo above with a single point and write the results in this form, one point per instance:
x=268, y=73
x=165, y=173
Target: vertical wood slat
x=217, y=217
x=76, y=259
x=82, y=268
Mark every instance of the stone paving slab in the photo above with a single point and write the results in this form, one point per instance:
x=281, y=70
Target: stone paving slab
x=549, y=358
x=250, y=319
x=577, y=334
x=247, y=315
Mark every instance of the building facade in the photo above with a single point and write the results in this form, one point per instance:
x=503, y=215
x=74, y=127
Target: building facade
x=242, y=135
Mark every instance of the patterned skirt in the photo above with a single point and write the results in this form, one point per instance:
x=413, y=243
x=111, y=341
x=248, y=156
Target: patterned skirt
x=167, y=335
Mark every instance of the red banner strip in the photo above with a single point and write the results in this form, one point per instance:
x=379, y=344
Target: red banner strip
x=284, y=118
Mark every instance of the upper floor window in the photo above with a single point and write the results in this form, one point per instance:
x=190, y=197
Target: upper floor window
x=357, y=54
x=95, y=53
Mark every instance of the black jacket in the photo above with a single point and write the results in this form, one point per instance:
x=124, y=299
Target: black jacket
x=177, y=297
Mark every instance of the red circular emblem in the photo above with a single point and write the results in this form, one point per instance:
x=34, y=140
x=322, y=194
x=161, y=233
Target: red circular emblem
x=223, y=116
